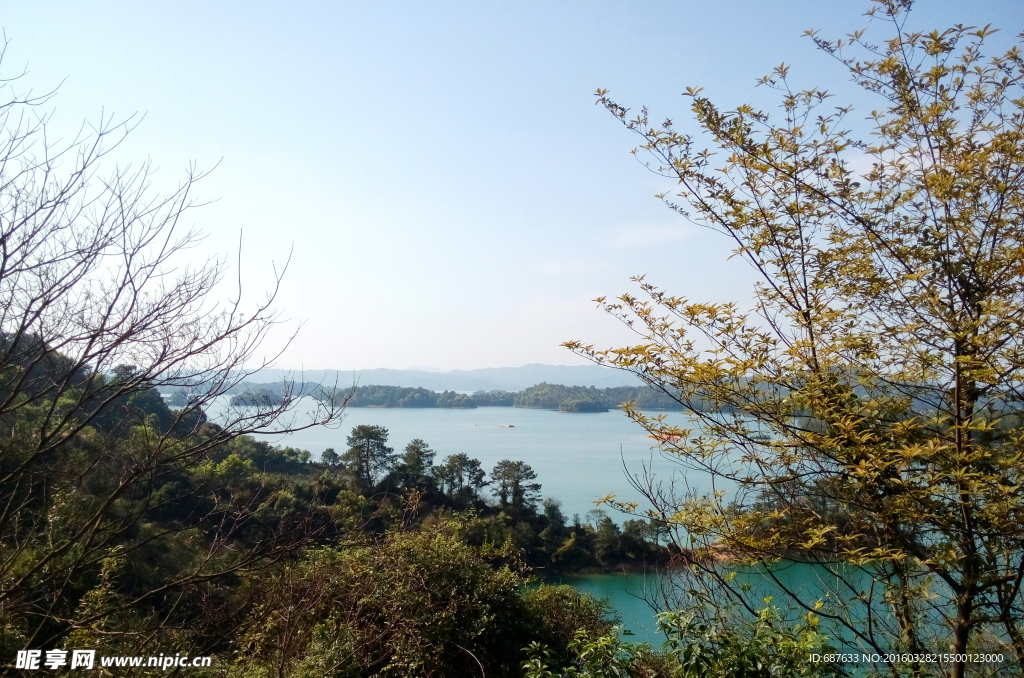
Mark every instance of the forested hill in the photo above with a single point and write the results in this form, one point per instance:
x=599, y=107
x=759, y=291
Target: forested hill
x=539, y=396
x=486, y=379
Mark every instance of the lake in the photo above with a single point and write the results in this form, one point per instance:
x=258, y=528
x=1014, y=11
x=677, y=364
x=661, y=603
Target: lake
x=576, y=456
x=625, y=592
x=577, y=459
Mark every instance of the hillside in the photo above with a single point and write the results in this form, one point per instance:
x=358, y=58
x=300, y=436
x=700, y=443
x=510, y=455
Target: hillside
x=539, y=396
x=486, y=379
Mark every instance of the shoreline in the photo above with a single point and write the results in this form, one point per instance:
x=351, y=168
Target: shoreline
x=621, y=568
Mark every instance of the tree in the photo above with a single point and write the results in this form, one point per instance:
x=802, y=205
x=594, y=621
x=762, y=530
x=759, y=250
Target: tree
x=330, y=457
x=513, y=488
x=461, y=477
x=368, y=457
x=695, y=648
x=416, y=465
x=416, y=603
x=865, y=413
x=101, y=305
x=554, y=533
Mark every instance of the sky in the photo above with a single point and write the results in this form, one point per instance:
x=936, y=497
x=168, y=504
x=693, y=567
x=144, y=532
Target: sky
x=450, y=195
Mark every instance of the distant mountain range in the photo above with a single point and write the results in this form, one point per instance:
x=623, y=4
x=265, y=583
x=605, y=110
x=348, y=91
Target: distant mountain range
x=486, y=379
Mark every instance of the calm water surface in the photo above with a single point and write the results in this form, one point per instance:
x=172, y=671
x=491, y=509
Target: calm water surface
x=577, y=459
x=626, y=591
x=576, y=456
x=625, y=594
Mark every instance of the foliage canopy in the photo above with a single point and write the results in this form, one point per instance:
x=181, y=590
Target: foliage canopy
x=866, y=411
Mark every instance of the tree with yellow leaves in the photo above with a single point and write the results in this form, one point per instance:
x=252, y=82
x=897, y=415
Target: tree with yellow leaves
x=867, y=409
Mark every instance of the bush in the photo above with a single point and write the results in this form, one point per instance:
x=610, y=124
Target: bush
x=416, y=604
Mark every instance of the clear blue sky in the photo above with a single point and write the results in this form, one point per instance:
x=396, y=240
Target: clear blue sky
x=452, y=194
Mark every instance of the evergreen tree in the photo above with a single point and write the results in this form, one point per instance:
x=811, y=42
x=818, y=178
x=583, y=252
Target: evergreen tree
x=330, y=457
x=462, y=478
x=513, y=486
x=415, y=467
x=368, y=457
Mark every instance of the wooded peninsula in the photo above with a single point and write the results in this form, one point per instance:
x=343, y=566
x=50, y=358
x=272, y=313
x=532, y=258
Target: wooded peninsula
x=541, y=396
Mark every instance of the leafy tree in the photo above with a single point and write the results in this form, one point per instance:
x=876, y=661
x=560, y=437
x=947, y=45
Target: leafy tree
x=550, y=396
x=513, y=486
x=398, y=396
x=867, y=410
x=415, y=467
x=418, y=604
x=770, y=647
x=573, y=554
x=330, y=457
x=608, y=541
x=587, y=398
x=555, y=532
x=582, y=405
x=257, y=397
x=493, y=398
x=461, y=477
x=368, y=457
x=455, y=400
x=712, y=645
x=544, y=396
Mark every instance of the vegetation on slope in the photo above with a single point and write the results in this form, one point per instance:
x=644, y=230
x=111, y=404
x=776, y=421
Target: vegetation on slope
x=541, y=396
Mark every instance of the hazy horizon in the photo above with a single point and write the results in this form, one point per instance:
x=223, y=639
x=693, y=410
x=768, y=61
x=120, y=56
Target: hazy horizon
x=421, y=368
x=481, y=379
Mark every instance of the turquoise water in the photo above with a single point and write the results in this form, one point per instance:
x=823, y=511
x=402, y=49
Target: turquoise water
x=625, y=593
x=579, y=458
x=628, y=592
x=576, y=456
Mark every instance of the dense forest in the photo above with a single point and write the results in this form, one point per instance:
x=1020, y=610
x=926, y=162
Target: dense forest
x=541, y=396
